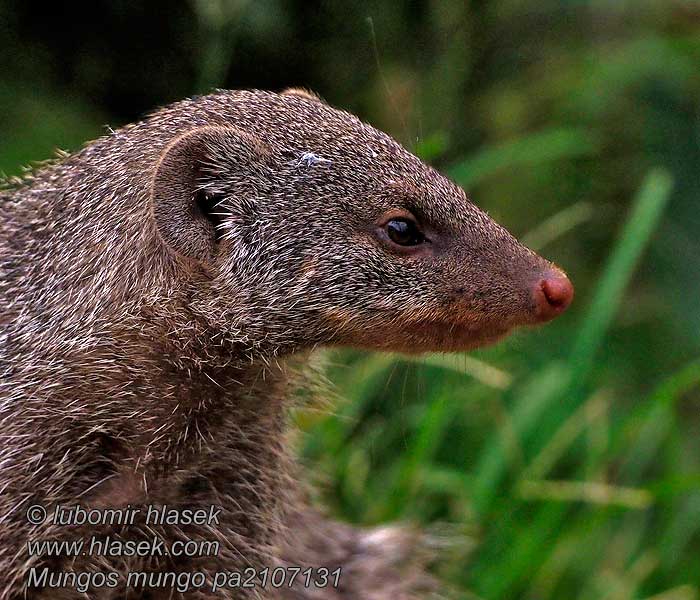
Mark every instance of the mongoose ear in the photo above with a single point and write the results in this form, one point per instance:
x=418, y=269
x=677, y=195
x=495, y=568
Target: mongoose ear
x=194, y=174
x=303, y=93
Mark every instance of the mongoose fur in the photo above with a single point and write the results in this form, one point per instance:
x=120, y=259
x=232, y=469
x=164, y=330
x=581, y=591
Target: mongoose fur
x=157, y=289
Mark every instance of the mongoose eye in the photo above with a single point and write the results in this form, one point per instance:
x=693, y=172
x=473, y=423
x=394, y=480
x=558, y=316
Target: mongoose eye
x=404, y=232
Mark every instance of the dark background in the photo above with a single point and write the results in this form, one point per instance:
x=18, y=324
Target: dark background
x=573, y=469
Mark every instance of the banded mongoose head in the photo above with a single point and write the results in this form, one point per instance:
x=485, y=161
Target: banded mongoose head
x=273, y=222
x=316, y=228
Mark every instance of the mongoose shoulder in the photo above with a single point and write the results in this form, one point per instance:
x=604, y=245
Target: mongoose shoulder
x=155, y=286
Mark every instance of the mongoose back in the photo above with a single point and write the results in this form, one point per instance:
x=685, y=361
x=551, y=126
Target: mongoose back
x=156, y=289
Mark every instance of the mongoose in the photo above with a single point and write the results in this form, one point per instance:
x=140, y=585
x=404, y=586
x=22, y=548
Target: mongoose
x=157, y=289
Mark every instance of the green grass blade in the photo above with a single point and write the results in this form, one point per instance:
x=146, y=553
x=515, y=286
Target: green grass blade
x=533, y=399
x=541, y=147
x=561, y=387
x=465, y=365
x=558, y=225
x=643, y=432
x=646, y=213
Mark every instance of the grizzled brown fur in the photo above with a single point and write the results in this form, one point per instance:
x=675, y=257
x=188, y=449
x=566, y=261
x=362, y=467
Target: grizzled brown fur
x=156, y=289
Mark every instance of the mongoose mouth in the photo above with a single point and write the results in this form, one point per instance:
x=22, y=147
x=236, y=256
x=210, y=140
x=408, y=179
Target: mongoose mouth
x=428, y=335
x=455, y=328
x=440, y=336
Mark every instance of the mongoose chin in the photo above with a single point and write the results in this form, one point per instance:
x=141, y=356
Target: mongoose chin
x=157, y=289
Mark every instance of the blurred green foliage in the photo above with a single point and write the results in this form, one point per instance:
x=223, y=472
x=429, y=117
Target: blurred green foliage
x=564, y=462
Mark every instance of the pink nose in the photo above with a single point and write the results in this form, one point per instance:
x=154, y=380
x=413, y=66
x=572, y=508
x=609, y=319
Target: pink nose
x=553, y=294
